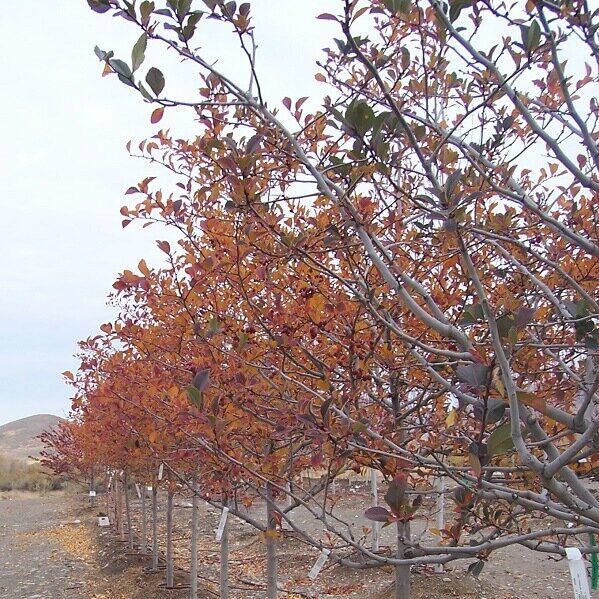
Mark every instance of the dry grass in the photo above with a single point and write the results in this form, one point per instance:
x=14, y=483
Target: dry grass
x=21, y=475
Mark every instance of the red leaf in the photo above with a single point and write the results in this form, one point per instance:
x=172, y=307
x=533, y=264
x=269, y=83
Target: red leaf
x=164, y=246
x=157, y=115
x=125, y=223
x=287, y=103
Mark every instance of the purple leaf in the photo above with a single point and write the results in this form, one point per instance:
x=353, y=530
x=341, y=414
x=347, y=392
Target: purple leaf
x=378, y=514
x=202, y=379
x=473, y=374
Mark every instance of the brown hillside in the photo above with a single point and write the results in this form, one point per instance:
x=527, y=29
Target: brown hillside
x=18, y=438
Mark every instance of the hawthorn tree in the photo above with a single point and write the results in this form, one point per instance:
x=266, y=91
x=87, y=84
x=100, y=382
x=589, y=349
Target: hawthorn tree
x=402, y=276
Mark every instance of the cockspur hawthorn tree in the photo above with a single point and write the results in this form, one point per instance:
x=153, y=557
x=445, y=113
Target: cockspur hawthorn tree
x=404, y=275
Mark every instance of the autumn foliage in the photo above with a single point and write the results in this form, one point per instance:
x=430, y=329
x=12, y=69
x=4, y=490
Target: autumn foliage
x=399, y=274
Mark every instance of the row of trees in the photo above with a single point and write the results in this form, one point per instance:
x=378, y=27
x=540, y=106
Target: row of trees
x=404, y=277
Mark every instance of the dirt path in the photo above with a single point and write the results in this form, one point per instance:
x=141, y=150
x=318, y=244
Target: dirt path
x=51, y=548
x=35, y=563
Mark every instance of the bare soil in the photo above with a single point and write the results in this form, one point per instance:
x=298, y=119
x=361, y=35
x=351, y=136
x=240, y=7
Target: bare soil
x=52, y=548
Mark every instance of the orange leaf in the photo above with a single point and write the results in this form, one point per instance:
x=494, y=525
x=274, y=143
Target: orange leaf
x=157, y=115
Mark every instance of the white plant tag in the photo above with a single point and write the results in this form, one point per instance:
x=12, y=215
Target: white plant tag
x=319, y=564
x=221, y=524
x=103, y=521
x=110, y=481
x=138, y=490
x=149, y=488
x=92, y=493
x=160, y=471
x=578, y=573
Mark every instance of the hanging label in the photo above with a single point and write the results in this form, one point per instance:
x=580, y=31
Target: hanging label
x=149, y=488
x=160, y=471
x=578, y=573
x=221, y=524
x=138, y=490
x=319, y=564
x=92, y=493
x=110, y=481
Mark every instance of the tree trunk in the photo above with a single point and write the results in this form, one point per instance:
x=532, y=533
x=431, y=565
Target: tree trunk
x=169, y=540
x=374, y=494
x=120, y=511
x=402, y=573
x=193, y=568
x=440, y=512
x=92, y=498
x=154, y=528
x=128, y=513
x=224, y=557
x=144, y=522
x=106, y=479
x=271, y=545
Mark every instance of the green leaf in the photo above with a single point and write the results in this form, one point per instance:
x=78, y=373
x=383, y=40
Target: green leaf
x=358, y=427
x=183, y=9
x=155, y=79
x=396, y=493
x=360, y=116
x=472, y=313
x=100, y=6
x=120, y=67
x=126, y=80
x=456, y=7
x=476, y=375
x=504, y=324
x=396, y=6
x=500, y=440
x=476, y=568
x=533, y=37
x=451, y=183
x=144, y=92
x=145, y=10
x=100, y=53
x=139, y=52
x=195, y=396
x=242, y=341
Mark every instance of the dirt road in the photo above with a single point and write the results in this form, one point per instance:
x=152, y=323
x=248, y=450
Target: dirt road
x=52, y=548
x=35, y=564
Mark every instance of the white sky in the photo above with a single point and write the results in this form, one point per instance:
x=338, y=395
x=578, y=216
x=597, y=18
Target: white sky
x=64, y=169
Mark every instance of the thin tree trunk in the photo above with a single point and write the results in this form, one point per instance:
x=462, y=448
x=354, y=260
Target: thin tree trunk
x=193, y=569
x=144, y=522
x=120, y=510
x=115, y=503
x=374, y=493
x=440, y=512
x=402, y=573
x=128, y=513
x=92, y=498
x=224, y=556
x=271, y=545
x=169, y=540
x=106, y=479
x=154, y=528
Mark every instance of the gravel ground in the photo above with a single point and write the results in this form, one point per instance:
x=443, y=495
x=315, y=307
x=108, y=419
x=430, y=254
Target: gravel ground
x=35, y=565
x=52, y=548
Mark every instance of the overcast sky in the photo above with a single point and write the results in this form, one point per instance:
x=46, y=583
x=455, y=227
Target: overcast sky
x=64, y=170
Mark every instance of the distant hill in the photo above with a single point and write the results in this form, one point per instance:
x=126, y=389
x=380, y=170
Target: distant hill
x=18, y=438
